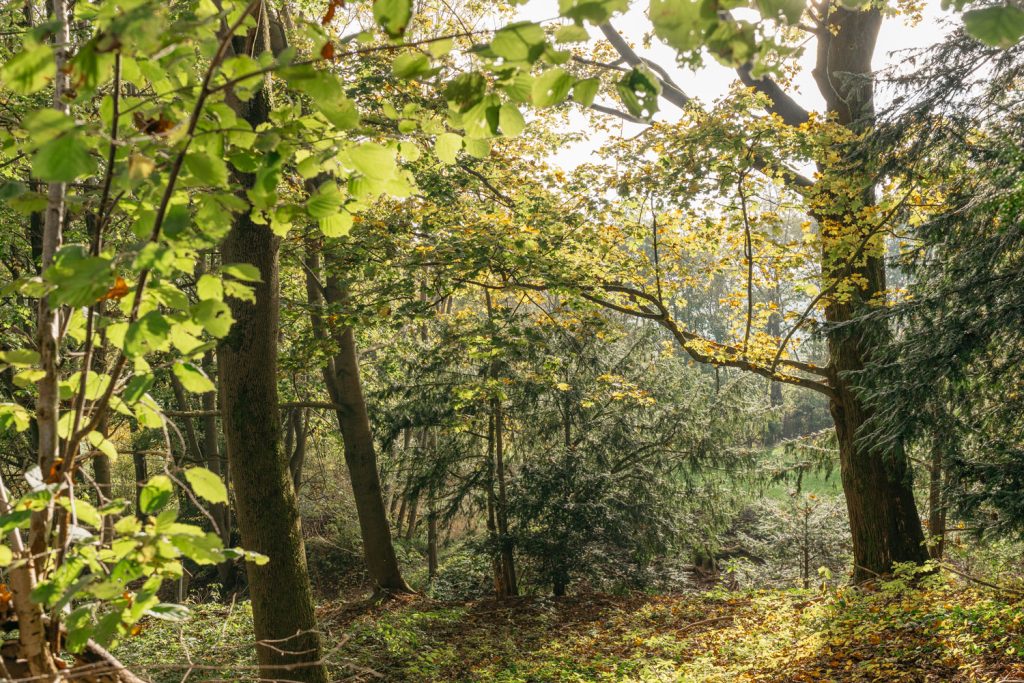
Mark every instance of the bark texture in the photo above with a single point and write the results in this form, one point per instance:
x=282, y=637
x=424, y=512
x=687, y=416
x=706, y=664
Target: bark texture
x=884, y=520
x=268, y=519
x=341, y=376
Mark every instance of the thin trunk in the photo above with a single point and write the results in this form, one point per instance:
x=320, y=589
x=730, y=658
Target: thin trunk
x=345, y=389
x=400, y=519
x=141, y=477
x=193, y=451
x=299, y=418
x=401, y=496
x=936, y=507
x=104, y=488
x=508, y=565
x=505, y=560
x=500, y=585
x=806, y=542
x=414, y=511
x=33, y=645
x=268, y=519
x=431, y=538
x=215, y=463
x=884, y=521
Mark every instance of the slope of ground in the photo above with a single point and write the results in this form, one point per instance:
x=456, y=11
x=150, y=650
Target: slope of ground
x=946, y=632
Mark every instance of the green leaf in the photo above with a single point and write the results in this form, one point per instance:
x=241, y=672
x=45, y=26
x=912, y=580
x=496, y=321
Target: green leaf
x=137, y=387
x=393, y=16
x=341, y=112
x=169, y=612
x=6, y=556
x=30, y=69
x=447, y=147
x=204, y=550
x=325, y=201
x=193, y=378
x=336, y=225
x=237, y=290
x=679, y=23
x=207, y=169
x=551, y=87
x=20, y=358
x=479, y=148
x=14, y=416
x=214, y=316
x=789, y=10
x=465, y=90
x=155, y=494
x=103, y=445
x=439, y=48
x=571, y=33
x=520, y=42
x=210, y=287
x=63, y=160
x=84, y=511
x=996, y=26
x=510, y=120
x=148, y=333
x=79, y=624
x=481, y=120
x=410, y=65
x=594, y=11
x=585, y=91
x=207, y=485
x=80, y=279
x=246, y=272
x=373, y=160
x=639, y=91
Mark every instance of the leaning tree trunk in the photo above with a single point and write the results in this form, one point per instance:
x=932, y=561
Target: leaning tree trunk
x=341, y=376
x=884, y=521
x=267, y=513
x=361, y=459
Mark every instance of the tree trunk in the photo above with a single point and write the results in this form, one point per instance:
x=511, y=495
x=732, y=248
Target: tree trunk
x=215, y=463
x=431, y=539
x=884, y=522
x=345, y=389
x=298, y=427
x=508, y=566
x=414, y=511
x=936, y=507
x=141, y=477
x=101, y=473
x=268, y=519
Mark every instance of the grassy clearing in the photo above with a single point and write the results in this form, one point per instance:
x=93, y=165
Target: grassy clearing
x=944, y=633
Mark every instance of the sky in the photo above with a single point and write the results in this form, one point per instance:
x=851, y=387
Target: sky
x=713, y=80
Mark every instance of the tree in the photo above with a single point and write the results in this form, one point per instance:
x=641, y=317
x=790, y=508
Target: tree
x=850, y=227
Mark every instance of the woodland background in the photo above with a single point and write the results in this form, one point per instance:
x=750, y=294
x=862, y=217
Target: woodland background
x=315, y=364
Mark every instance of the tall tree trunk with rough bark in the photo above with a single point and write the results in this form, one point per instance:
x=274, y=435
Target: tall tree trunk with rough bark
x=268, y=517
x=884, y=520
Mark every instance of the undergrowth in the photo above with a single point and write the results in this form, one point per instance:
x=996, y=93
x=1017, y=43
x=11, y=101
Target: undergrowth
x=930, y=630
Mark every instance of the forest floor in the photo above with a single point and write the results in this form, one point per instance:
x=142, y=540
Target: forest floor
x=890, y=633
